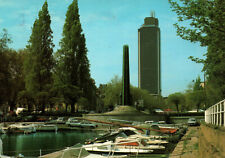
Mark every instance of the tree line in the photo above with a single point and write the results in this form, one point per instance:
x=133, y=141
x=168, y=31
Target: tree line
x=203, y=21
x=192, y=98
x=111, y=96
x=37, y=77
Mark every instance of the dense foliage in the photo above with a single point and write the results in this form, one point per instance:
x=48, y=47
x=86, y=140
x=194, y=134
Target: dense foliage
x=39, y=61
x=72, y=71
x=11, y=72
x=192, y=99
x=177, y=99
x=195, y=96
x=111, y=95
x=204, y=22
x=4, y=66
x=35, y=79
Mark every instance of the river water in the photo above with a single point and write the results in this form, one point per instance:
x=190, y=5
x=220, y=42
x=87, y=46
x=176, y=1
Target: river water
x=47, y=142
x=32, y=145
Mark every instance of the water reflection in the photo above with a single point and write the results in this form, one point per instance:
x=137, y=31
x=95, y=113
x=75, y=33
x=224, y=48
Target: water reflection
x=30, y=145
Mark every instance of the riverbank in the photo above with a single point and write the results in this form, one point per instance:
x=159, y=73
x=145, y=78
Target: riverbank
x=188, y=146
x=211, y=141
x=105, y=124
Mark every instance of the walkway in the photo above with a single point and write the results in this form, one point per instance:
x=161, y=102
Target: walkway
x=188, y=145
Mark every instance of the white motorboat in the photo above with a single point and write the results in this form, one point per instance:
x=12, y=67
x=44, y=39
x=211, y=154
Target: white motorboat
x=128, y=147
x=78, y=151
x=21, y=128
x=85, y=154
x=137, y=142
x=151, y=139
x=159, y=137
x=157, y=141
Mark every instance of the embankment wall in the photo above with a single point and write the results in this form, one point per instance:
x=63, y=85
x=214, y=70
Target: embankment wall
x=211, y=142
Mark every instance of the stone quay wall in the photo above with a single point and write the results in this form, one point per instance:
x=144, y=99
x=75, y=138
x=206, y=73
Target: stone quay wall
x=211, y=142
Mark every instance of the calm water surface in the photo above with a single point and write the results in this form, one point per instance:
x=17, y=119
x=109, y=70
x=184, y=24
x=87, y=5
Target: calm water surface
x=30, y=145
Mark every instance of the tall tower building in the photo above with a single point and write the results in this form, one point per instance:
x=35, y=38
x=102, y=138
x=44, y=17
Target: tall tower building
x=149, y=69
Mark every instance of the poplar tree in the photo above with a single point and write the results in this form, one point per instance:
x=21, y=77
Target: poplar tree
x=39, y=62
x=73, y=74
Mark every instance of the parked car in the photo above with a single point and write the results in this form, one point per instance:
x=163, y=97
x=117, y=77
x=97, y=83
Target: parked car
x=84, y=124
x=192, y=122
x=61, y=120
x=158, y=111
x=71, y=119
x=73, y=122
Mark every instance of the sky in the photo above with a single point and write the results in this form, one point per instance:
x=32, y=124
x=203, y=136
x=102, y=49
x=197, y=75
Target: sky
x=108, y=25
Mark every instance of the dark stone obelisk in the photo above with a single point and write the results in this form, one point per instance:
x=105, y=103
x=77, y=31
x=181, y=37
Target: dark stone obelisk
x=126, y=77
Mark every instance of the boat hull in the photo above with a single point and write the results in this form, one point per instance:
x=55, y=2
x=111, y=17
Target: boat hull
x=104, y=148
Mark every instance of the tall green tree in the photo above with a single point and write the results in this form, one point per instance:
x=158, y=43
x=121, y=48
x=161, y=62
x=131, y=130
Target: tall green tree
x=4, y=66
x=11, y=72
x=206, y=24
x=39, y=63
x=196, y=96
x=72, y=73
x=16, y=79
x=112, y=93
x=25, y=99
x=177, y=99
x=86, y=83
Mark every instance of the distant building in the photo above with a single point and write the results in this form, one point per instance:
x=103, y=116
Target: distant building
x=149, y=69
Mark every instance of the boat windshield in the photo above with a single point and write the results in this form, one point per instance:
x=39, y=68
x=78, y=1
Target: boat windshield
x=143, y=142
x=129, y=132
x=122, y=134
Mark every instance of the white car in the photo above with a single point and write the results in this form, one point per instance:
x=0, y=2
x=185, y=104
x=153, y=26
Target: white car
x=61, y=120
x=192, y=122
x=158, y=110
x=72, y=122
x=87, y=124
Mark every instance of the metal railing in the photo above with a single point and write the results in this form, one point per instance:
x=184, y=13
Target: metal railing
x=216, y=114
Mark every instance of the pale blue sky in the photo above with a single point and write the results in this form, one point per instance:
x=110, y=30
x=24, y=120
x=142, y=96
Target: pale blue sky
x=108, y=25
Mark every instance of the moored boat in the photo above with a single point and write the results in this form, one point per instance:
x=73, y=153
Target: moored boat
x=127, y=147
x=78, y=151
x=21, y=128
x=138, y=143
x=156, y=141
